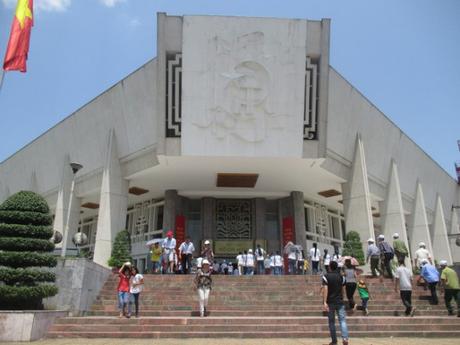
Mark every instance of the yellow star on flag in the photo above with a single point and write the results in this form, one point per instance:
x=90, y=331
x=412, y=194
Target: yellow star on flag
x=23, y=11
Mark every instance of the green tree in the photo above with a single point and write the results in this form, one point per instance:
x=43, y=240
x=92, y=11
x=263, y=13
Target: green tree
x=353, y=247
x=121, y=250
x=25, y=246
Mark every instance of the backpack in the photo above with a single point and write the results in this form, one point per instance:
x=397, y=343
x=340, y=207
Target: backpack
x=387, y=251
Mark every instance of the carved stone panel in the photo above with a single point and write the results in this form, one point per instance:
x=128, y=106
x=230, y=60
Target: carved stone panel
x=234, y=219
x=244, y=86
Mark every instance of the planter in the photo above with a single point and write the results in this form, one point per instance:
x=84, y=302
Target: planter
x=27, y=325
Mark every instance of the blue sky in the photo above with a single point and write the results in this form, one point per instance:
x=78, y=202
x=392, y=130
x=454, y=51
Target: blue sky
x=404, y=56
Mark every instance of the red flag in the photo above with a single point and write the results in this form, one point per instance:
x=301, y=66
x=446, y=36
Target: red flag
x=18, y=45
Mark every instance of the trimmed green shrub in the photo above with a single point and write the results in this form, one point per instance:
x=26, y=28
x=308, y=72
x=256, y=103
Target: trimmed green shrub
x=121, y=250
x=25, y=244
x=34, y=231
x=353, y=247
x=11, y=276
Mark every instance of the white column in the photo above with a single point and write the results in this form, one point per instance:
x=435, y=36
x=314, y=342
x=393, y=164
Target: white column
x=419, y=230
x=62, y=205
x=393, y=212
x=33, y=182
x=441, y=247
x=356, y=197
x=454, y=230
x=113, y=204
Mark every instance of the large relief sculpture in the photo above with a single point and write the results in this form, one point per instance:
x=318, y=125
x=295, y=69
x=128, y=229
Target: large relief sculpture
x=243, y=86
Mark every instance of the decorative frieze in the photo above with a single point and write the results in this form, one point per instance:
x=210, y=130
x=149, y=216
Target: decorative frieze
x=173, y=95
x=310, y=122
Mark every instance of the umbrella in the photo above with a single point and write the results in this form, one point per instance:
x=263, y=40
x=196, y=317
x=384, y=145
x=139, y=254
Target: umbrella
x=354, y=262
x=152, y=242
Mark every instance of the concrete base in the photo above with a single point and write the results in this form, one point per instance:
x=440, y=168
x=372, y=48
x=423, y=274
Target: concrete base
x=79, y=281
x=27, y=325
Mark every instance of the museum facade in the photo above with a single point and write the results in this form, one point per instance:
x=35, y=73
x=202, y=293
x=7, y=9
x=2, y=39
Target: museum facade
x=239, y=132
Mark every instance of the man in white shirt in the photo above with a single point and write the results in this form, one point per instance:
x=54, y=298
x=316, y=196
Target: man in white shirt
x=260, y=257
x=276, y=263
x=315, y=255
x=403, y=278
x=250, y=263
x=240, y=263
x=169, y=251
x=421, y=254
x=186, y=250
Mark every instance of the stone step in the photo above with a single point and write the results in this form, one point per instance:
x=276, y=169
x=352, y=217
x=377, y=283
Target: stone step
x=259, y=334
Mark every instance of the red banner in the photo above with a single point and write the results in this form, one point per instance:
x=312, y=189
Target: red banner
x=288, y=233
x=180, y=230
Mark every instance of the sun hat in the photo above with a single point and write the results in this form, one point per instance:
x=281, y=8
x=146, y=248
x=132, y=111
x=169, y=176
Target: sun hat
x=370, y=240
x=395, y=235
x=381, y=237
x=207, y=242
x=169, y=233
x=250, y=251
x=205, y=262
x=443, y=263
x=422, y=244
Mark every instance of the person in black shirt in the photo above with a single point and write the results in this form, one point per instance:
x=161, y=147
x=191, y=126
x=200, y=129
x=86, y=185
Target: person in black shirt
x=332, y=291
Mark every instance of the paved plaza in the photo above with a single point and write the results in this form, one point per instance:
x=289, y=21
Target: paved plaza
x=362, y=341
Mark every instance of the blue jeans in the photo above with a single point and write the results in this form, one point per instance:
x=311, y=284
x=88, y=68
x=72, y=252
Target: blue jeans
x=260, y=267
x=340, y=309
x=276, y=270
x=249, y=271
x=292, y=266
x=364, y=302
x=123, y=298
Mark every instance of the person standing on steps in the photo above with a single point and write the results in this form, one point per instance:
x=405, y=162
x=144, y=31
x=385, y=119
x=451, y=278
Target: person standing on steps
x=386, y=255
x=326, y=260
x=373, y=254
x=351, y=276
x=250, y=260
x=207, y=253
x=260, y=257
x=136, y=285
x=421, y=254
x=430, y=274
x=169, y=251
x=124, y=274
x=186, y=250
x=336, y=256
x=277, y=264
x=400, y=248
x=451, y=287
x=403, y=281
x=332, y=292
x=203, y=283
x=363, y=291
x=240, y=263
x=315, y=255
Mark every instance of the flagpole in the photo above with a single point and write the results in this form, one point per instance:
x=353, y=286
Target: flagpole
x=2, y=76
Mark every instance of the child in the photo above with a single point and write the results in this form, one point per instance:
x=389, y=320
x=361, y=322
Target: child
x=403, y=279
x=364, y=294
x=123, y=288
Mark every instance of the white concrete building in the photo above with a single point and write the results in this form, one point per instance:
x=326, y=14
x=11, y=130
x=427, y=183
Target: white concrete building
x=239, y=131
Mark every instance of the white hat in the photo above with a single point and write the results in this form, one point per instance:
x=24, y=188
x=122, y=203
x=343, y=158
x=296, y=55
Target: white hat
x=443, y=263
x=424, y=261
x=207, y=242
x=395, y=235
x=381, y=237
x=205, y=262
x=422, y=244
x=371, y=240
x=250, y=251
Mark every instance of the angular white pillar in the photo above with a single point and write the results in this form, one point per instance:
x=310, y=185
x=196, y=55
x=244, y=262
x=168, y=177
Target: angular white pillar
x=33, y=182
x=356, y=197
x=419, y=230
x=113, y=204
x=441, y=245
x=454, y=230
x=62, y=207
x=393, y=212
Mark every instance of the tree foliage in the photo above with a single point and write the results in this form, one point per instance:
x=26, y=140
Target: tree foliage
x=353, y=247
x=25, y=230
x=121, y=250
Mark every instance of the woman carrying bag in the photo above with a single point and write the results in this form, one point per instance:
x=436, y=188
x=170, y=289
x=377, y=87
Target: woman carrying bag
x=203, y=283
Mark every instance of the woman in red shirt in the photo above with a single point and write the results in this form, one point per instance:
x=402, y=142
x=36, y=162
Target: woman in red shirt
x=123, y=288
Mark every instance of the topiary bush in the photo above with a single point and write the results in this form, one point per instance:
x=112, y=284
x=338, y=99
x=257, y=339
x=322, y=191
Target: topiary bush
x=25, y=232
x=121, y=250
x=353, y=247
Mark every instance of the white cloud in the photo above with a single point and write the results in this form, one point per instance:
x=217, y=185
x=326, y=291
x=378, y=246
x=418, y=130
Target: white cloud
x=111, y=3
x=45, y=5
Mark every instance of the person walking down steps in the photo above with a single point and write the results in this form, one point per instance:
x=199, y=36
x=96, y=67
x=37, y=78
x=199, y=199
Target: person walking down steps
x=203, y=283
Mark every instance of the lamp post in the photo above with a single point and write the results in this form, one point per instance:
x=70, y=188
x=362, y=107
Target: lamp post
x=75, y=168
